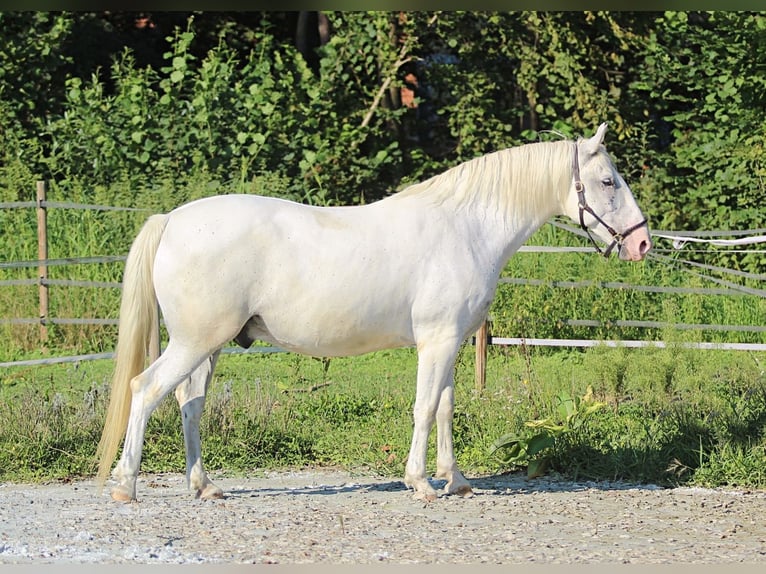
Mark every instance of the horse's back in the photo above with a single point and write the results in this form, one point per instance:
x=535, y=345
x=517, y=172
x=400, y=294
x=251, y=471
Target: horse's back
x=268, y=234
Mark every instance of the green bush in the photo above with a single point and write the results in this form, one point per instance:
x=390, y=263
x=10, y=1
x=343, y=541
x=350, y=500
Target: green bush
x=264, y=124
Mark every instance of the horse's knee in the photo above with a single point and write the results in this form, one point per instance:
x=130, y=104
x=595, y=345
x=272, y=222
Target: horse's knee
x=137, y=384
x=445, y=415
x=187, y=396
x=148, y=392
x=424, y=415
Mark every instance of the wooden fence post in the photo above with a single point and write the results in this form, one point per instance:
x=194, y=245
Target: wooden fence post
x=42, y=256
x=482, y=336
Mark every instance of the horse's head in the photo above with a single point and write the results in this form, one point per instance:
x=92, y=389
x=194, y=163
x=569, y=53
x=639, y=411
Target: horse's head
x=602, y=203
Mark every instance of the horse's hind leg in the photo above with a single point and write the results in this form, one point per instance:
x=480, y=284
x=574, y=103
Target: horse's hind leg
x=191, y=398
x=148, y=389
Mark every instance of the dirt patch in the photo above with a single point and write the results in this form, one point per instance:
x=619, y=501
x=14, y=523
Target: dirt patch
x=337, y=517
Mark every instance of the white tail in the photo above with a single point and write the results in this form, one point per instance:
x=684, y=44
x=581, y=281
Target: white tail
x=139, y=319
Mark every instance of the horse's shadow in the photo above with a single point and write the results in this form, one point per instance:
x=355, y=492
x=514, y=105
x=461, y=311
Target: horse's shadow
x=505, y=484
x=320, y=489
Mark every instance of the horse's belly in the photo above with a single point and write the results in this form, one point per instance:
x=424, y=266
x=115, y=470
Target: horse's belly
x=341, y=347
x=334, y=339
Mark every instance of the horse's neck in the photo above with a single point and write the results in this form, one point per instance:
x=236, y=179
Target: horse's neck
x=508, y=195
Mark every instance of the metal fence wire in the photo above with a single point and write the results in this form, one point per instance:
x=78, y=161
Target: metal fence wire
x=679, y=239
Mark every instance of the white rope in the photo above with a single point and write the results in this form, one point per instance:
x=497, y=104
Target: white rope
x=517, y=341
x=679, y=241
x=680, y=238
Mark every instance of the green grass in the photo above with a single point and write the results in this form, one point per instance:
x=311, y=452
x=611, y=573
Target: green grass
x=673, y=416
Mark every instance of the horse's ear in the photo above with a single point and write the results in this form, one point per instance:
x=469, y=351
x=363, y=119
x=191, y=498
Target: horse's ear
x=597, y=139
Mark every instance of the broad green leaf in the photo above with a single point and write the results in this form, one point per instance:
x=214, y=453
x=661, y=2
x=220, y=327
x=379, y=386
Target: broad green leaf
x=539, y=443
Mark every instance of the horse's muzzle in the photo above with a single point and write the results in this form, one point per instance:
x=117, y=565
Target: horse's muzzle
x=636, y=245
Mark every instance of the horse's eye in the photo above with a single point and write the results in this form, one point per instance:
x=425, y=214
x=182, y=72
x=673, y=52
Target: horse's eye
x=607, y=182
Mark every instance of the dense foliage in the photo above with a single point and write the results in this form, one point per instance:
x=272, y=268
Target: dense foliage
x=93, y=99
x=153, y=110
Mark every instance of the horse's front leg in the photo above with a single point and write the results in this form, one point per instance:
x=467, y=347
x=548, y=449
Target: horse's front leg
x=446, y=465
x=191, y=398
x=435, y=365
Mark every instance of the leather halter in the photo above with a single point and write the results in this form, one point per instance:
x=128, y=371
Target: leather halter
x=617, y=238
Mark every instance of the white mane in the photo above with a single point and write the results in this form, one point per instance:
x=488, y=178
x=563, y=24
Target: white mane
x=517, y=179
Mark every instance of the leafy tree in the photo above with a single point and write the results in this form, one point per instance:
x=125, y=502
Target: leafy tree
x=264, y=124
x=228, y=101
x=34, y=59
x=705, y=90
x=500, y=79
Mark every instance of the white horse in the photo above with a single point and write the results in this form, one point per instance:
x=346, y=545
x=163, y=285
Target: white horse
x=417, y=268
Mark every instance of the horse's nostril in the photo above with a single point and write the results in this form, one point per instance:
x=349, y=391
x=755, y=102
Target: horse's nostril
x=644, y=247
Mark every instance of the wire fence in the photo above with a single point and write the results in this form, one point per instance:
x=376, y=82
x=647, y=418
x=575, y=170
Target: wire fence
x=680, y=240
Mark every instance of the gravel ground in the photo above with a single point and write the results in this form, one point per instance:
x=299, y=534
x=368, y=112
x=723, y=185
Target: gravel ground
x=337, y=517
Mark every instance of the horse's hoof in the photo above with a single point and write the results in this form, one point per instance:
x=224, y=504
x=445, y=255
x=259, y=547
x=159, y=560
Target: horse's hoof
x=465, y=491
x=122, y=494
x=458, y=485
x=425, y=496
x=210, y=492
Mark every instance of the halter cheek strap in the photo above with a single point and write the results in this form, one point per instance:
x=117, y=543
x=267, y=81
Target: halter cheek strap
x=617, y=238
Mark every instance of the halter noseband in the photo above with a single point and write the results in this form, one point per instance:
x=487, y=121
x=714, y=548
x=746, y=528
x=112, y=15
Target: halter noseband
x=617, y=238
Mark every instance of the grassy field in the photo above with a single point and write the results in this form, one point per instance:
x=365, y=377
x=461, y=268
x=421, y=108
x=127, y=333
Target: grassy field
x=669, y=416
x=666, y=416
